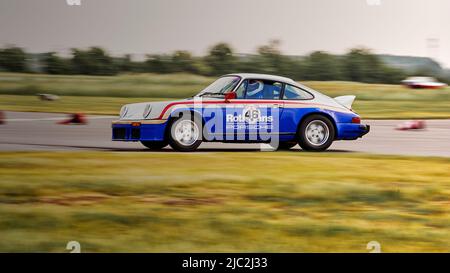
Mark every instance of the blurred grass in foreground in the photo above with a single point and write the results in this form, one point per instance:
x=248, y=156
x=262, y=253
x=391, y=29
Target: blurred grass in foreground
x=105, y=95
x=238, y=202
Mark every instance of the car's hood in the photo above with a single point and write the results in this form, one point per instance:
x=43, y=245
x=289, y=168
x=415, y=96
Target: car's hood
x=137, y=111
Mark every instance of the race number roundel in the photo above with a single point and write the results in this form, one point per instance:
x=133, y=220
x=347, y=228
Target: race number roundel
x=251, y=114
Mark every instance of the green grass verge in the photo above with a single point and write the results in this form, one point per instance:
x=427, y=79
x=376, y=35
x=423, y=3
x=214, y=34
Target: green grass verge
x=105, y=95
x=111, y=106
x=139, y=85
x=186, y=85
x=236, y=201
x=69, y=104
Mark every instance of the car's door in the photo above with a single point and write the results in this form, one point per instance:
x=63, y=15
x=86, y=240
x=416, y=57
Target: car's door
x=256, y=111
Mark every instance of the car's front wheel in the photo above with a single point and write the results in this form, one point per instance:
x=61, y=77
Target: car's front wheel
x=316, y=133
x=185, y=134
x=154, y=145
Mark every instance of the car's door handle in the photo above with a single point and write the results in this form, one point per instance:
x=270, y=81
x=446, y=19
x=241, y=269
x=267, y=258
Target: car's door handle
x=276, y=105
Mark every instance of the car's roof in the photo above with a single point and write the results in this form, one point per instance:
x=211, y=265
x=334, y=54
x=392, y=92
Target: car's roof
x=262, y=77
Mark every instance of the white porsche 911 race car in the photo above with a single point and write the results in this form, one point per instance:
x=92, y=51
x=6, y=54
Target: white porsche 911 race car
x=243, y=108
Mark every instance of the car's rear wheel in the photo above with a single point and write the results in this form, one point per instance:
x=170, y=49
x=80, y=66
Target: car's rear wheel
x=154, y=145
x=316, y=133
x=185, y=134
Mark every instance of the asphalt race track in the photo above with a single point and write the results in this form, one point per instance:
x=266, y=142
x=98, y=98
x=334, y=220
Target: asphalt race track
x=23, y=131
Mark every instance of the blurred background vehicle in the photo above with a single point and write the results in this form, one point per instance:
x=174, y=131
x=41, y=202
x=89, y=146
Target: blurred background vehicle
x=423, y=82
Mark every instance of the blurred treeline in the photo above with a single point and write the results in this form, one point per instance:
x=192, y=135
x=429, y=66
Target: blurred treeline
x=358, y=64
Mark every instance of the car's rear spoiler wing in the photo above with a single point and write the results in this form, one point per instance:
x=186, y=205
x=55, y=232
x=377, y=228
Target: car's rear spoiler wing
x=346, y=101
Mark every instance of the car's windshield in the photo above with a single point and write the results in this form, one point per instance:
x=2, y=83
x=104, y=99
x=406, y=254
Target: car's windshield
x=220, y=86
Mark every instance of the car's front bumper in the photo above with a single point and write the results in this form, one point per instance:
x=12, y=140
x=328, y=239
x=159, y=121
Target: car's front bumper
x=351, y=131
x=138, y=130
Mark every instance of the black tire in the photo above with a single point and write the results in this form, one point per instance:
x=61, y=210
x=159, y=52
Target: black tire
x=178, y=145
x=315, y=142
x=285, y=145
x=154, y=145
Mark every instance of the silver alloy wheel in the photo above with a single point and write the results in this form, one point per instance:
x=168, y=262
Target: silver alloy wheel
x=186, y=132
x=317, y=132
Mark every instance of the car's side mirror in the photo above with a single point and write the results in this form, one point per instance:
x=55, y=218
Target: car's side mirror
x=230, y=96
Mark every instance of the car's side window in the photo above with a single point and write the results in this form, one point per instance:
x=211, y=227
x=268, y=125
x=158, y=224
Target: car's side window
x=262, y=89
x=295, y=93
x=240, y=92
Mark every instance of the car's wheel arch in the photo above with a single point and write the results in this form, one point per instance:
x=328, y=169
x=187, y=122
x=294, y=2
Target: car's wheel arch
x=324, y=114
x=179, y=113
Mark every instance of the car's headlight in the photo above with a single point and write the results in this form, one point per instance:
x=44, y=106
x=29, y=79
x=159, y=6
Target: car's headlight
x=123, y=111
x=147, y=111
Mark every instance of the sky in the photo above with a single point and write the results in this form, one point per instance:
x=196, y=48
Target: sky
x=399, y=27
